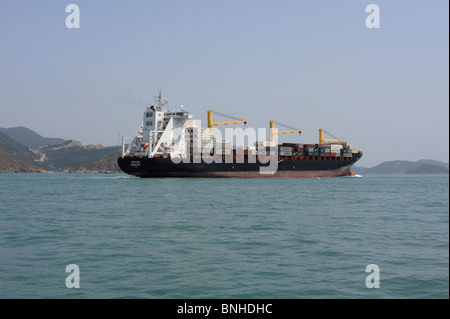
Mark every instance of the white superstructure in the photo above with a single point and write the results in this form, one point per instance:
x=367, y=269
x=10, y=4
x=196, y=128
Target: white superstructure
x=165, y=132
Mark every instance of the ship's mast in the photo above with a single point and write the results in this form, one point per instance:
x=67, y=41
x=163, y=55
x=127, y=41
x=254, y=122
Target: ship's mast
x=160, y=101
x=153, y=134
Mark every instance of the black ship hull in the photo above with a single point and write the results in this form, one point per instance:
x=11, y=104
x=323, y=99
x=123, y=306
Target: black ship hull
x=286, y=167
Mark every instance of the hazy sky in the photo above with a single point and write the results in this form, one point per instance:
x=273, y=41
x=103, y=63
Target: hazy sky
x=309, y=64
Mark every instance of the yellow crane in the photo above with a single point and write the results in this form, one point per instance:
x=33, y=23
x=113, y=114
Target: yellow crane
x=321, y=139
x=272, y=131
x=211, y=123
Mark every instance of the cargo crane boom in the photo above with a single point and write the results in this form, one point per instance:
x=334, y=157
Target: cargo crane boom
x=322, y=139
x=272, y=131
x=211, y=122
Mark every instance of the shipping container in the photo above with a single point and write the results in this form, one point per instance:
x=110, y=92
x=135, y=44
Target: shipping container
x=263, y=144
x=290, y=144
x=335, y=154
x=285, y=149
x=335, y=148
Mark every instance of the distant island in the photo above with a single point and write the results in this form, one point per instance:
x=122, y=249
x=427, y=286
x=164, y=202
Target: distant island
x=24, y=151
x=405, y=167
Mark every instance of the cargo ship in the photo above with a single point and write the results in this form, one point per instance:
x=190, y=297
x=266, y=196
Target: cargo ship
x=170, y=143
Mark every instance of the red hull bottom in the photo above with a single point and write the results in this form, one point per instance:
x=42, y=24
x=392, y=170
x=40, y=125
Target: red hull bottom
x=284, y=174
x=257, y=174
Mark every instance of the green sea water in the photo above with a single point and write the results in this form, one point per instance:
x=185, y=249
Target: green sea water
x=275, y=238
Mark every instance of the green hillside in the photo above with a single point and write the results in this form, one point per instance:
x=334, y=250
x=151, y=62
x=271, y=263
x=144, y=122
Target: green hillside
x=16, y=149
x=11, y=164
x=429, y=169
x=56, y=157
x=103, y=165
x=72, y=153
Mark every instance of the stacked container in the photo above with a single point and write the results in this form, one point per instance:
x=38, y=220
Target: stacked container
x=347, y=153
x=285, y=151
